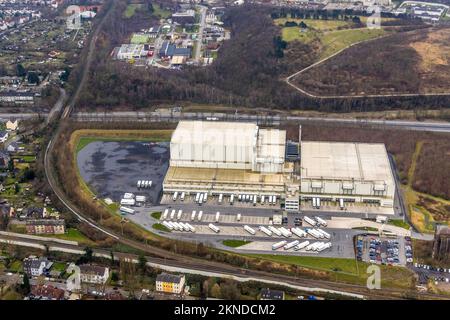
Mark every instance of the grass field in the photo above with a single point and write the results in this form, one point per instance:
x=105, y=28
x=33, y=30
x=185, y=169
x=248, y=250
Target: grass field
x=399, y=223
x=156, y=215
x=157, y=11
x=337, y=40
x=139, y=39
x=235, y=243
x=347, y=270
x=131, y=10
x=160, y=227
x=322, y=25
x=82, y=138
x=72, y=235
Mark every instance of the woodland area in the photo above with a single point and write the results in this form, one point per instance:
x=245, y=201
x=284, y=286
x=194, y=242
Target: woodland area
x=248, y=72
x=385, y=66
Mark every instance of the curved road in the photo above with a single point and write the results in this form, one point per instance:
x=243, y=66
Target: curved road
x=393, y=95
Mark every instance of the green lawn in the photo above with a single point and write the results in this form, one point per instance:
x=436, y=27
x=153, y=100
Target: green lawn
x=337, y=40
x=365, y=228
x=157, y=11
x=347, y=270
x=399, y=223
x=16, y=266
x=59, y=266
x=72, y=235
x=131, y=10
x=235, y=243
x=137, y=38
x=323, y=25
x=160, y=227
x=156, y=215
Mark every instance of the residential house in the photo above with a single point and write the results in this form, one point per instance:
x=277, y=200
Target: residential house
x=170, y=283
x=6, y=209
x=12, y=147
x=46, y=226
x=268, y=294
x=46, y=292
x=33, y=213
x=94, y=274
x=12, y=125
x=3, y=136
x=4, y=159
x=35, y=267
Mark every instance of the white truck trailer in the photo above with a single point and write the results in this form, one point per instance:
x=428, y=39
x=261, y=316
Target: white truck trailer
x=126, y=210
x=214, y=228
x=301, y=245
x=324, y=233
x=290, y=245
x=285, y=232
x=265, y=230
x=217, y=216
x=220, y=198
x=175, y=196
x=321, y=221
x=238, y=217
x=310, y=221
x=165, y=213
x=278, y=245
x=231, y=199
x=275, y=230
x=128, y=195
x=141, y=198
x=172, y=214
x=167, y=225
x=298, y=232
x=183, y=194
x=180, y=212
x=199, y=217
x=128, y=202
x=249, y=230
x=193, y=215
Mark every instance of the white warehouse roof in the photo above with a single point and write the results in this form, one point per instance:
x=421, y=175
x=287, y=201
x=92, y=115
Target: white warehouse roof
x=345, y=161
x=227, y=145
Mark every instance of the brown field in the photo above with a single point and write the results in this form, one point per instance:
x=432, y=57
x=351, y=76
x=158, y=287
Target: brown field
x=406, y=62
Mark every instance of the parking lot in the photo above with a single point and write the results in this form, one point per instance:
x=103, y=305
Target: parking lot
x=386, y=251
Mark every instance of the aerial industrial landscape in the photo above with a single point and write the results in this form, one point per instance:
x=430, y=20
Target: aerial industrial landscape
x=224, y=150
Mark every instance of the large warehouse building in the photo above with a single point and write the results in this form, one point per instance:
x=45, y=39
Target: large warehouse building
x=353, y=172
x=241, y=158
x=228, y=157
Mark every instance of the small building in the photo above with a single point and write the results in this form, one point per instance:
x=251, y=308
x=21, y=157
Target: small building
x=33, y=213
x=94, y=274
x=16, y=98
x=6, y=209
x=184, y=17
x=268, y=294
x=131, y=51
x=46, y=292
x=35, y=267
x=12, y=125
x=4, y=136
x=4, y=159
x=170, y=283
x=46, y=226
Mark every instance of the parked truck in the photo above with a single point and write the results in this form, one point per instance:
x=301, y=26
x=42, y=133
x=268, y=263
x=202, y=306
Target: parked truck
x=128, y=202
x=217, y=216
x=321, y=221
x=298, y=232
x=193, y=215
x=275, y=230
x=278, y=245
x=180, y=212
x=199, y=217
x=301, y=246
x=165, y=213
x=126, y=210
x=249, y=230
x=291, y=245
x=310, y=221
x=214, y=228
x=265, y=230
